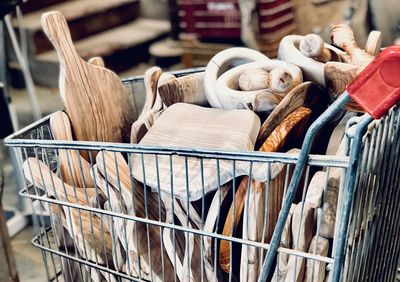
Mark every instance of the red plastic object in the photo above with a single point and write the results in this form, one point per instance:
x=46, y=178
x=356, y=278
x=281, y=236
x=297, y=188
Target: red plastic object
x=377, y=88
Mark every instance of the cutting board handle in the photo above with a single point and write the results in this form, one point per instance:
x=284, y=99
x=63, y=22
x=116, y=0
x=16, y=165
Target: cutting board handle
x=56, y=28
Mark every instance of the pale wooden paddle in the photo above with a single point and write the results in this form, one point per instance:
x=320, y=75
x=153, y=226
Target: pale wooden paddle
x=134, y=196
x=94, y=97
x=93, y=241
x=257, y=225
x=274, y=142
x=74, y=169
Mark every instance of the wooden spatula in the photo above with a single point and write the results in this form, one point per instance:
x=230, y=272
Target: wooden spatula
x=95, y=99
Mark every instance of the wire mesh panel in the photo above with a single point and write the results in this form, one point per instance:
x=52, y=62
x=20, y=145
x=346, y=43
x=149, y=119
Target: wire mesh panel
x=134, y=212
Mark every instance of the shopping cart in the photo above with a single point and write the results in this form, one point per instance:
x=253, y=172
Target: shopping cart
x=83, y=235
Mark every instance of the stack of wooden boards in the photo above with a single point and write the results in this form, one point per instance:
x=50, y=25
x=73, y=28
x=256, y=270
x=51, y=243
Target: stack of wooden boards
x=266, y=111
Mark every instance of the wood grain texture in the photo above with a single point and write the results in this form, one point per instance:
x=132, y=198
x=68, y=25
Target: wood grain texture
x=302, y=233
x=95, y=99
x=185, y=89
x=293, y=126
x=337, y=77
x=259, y=226
x=74, y=169
x=114, y=167
x=315, y=270
x=312, y=46
x=307, y=94
x=286, y=242
x=151, y=77
x=92, y=239
x=186, y=125
x=342, y=36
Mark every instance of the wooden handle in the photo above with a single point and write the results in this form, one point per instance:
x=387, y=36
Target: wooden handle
x=97, y=61
x=313, y=46
x=75, y=170
x=41, y=176
x=55, y=27
x=342, y=35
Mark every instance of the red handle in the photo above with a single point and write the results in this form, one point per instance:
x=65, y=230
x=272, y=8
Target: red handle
x=377, y=88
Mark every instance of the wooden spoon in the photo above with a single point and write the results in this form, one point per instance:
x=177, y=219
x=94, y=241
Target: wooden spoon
x=85, y=227
x=95, y=99
x=74, y=169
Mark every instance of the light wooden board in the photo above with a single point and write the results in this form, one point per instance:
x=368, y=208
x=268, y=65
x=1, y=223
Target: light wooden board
x=95, y=99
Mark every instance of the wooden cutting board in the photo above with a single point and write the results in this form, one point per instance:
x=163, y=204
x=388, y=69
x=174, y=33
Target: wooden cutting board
x=195, y=127
x=113, y=166
x=291, y=127
x=307, y=94
x=92, y=239
x=94, y=97
x=74, y=169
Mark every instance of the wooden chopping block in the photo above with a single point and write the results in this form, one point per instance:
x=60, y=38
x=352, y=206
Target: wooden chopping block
x=315, y=270
x=95, y=99
x=84, y=227
x=292, y=127
x=112, y=166
x=186, y=125
x=302, y=233
x=74, y=169
x=185, y=89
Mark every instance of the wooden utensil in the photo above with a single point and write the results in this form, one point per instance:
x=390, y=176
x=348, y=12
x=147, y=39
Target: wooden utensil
x=93, y=241
x=187, y=125
x=255, y=226
x=342, y=36
x=151, y=77
x=302, y=233
x=312, y=69
x=186, y=257
x=95, y=99
x=220, y=62
x=315, y=270
x=74, y=169
x=113, y=166
x=307, y=94
x=185, y=89
x=145, y=121
x=286, y=242
x=337, y=77
x=313, y=46
x=227, y=85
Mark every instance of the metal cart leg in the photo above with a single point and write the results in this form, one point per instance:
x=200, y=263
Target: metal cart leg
x=291, y=192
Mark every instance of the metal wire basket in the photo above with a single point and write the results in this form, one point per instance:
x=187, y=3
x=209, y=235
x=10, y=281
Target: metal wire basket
x=130, y=231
